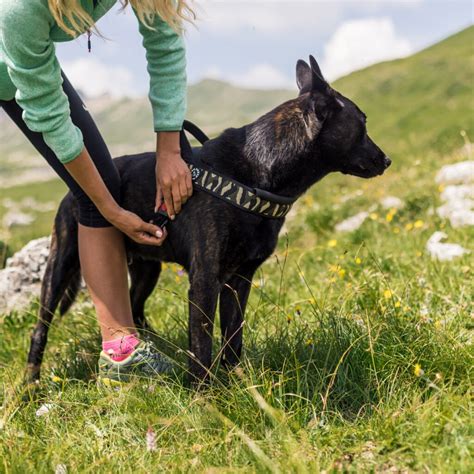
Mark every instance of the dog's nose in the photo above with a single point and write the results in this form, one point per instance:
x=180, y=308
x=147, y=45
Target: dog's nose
x=387, y=161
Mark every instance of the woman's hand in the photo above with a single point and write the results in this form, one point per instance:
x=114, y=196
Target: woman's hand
x=137, y=229
x=173, y=178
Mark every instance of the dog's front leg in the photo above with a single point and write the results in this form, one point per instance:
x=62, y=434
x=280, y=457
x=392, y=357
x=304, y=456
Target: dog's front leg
x=203, y=294
x=233, y=301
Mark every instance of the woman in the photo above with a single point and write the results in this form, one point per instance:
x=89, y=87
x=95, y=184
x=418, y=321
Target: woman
x=40, y=100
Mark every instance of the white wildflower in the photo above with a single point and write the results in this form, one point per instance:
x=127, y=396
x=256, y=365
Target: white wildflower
x=150, y=440
x=44, y=409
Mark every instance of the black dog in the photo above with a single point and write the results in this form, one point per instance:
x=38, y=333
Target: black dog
x=284, y=152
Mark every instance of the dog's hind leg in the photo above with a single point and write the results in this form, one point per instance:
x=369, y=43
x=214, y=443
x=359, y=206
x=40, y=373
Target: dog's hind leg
x=232, y=304
x=144, y=276
x=203, y=294
x=62, y=271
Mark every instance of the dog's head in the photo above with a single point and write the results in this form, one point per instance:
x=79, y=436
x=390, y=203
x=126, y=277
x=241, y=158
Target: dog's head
x=342, y=135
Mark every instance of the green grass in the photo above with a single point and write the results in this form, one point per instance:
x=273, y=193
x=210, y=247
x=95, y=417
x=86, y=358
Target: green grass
x=358, y=348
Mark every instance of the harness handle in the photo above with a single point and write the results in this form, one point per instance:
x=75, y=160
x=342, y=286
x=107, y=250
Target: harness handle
x=195, y=131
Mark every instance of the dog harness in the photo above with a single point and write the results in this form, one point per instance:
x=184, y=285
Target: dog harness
x=254, y=200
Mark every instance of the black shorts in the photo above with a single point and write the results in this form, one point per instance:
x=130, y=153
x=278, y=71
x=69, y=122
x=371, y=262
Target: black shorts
x=88, y=213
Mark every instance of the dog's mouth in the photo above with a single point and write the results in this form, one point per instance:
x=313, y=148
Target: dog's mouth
x=363, y=171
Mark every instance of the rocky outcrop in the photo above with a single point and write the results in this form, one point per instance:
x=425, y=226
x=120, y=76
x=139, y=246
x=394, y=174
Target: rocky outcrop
x=20, y=280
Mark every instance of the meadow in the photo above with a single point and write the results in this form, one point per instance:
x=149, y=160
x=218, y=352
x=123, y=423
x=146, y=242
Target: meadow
x=358, y=346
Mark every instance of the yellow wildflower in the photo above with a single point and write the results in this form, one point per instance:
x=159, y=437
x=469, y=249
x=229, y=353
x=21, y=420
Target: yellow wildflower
x=308, y=200
x=387, y=294
x=438, y=324
x=397, y=304
x=309, y=342
x=374, y=216
x=419, y=254
x=409, y=226
x=418, y=371
x=289, y=318
x=390, y=214
x=332, y=243
x=341, y=273
x=358, y=260
x=396, y=230
x=418, y=224
x=56, y=379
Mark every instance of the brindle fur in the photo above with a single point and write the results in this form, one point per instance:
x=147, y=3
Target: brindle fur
x=284, y=152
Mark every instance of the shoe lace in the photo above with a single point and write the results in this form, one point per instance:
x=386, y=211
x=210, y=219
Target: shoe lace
x=155, y=361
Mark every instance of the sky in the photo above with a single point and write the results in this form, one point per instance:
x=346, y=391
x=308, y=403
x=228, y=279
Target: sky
x=256, y=44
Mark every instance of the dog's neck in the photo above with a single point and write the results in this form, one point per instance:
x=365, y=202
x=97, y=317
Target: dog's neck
x=277, y=153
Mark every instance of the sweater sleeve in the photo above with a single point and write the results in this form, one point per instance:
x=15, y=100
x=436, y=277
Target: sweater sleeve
x=166, y=58
x=30, y=56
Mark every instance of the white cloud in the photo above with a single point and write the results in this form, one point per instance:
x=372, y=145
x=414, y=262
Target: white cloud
x=266, y=17
x=260, y=76
x=226, y=17
x=95, y=78
x=359, y=43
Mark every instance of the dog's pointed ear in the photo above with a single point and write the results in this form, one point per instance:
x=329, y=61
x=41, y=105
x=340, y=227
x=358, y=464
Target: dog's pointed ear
x=304, y=76
x=318, y=82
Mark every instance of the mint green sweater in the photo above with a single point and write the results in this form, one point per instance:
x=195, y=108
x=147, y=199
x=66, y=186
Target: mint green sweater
x=30, y=72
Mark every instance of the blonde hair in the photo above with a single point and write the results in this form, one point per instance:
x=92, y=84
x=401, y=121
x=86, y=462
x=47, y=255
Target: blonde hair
x=172, y=12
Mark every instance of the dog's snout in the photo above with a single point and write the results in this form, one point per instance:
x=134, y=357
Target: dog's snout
x=387, y=161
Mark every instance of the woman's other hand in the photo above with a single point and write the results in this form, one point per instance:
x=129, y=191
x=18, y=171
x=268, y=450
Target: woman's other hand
x=173, y=178
x=137, y=229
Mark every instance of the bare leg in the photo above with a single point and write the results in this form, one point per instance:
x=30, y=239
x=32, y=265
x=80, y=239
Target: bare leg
x=104, y=268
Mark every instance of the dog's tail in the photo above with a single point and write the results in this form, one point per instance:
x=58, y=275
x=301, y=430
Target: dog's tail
x=70, y=293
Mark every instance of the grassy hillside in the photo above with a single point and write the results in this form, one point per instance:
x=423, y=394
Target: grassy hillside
x=419, y=103
x=358, y=346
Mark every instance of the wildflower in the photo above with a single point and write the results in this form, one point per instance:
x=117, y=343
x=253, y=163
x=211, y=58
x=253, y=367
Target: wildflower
x=396, y=230
x=374, y=216
x=308, y=200
x=150, y=439
x=387, y=294
x=397, y=304
x=419, y=254
x=44, y=409
x=289, y=318
x=390, y=215
x=439, y=376
x=309, y=342
x=341, y=273
x=56, y=379
x=418, y=371
x=406, y=309
x=409, y=226
x=312, y=301
x=332, y=243
x=418, y=224
x=438, y=324
x=358, y=260
x=298, y=310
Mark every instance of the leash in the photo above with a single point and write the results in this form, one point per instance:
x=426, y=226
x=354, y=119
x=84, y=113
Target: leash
x=253, y=200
